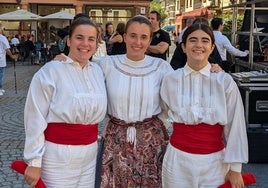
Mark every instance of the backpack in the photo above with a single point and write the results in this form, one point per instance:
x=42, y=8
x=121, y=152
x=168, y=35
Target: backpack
x=62, y=43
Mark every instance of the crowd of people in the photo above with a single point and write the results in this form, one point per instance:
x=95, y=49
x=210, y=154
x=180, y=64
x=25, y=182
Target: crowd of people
x=123, y=75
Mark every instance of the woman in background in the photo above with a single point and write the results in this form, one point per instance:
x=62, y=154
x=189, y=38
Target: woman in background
x=117, y=40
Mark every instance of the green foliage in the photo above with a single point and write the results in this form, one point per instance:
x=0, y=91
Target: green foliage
x=156, y=5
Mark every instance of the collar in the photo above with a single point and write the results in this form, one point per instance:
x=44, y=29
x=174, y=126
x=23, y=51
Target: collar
x=204, y=71
x=69, y=60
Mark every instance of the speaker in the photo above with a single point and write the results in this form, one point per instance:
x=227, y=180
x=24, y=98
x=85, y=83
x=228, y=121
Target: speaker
x=255, y=101
x=258, y=144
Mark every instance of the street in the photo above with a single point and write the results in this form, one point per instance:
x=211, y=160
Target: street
x=12, y=128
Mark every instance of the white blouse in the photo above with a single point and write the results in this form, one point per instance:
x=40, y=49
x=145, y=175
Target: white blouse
x=195, y=97
x=62, y=92
x=133, y=88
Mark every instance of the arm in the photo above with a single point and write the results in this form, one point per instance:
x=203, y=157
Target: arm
x=8, y=51
x=35, y=112
x=232, y=50
x=160, y=48
x=235, y=134
x=115, y=38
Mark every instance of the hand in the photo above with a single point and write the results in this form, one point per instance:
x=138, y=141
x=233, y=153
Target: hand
x=215, y=68
x=247, y=51
x=32, y=175
x=60, y=57
x=235, y=179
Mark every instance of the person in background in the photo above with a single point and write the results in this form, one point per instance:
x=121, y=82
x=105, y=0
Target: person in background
x=65, y=102
x=4, y=49
x=161, y=40
x=209, y=140
x=223, y=44
x=62, y=40
x=189, y=21
x=117, y=40
x=30, y=51
x=135, y=137
x=109, y=30
x=101, y=49
x=15, y=40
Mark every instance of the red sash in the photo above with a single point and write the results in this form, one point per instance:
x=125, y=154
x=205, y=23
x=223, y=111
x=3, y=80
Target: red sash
x=197, y=139
x=71, y=134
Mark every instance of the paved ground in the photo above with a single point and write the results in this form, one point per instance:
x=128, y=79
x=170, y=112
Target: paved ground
x=12, y=130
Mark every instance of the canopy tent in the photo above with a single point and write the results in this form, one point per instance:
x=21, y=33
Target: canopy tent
x=20, y=15
x=62, y=15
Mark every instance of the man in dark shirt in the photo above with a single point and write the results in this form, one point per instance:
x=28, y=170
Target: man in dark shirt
x=161, y=39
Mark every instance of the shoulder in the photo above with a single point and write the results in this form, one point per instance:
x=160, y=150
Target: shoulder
x=225, y=80
x=163, y=66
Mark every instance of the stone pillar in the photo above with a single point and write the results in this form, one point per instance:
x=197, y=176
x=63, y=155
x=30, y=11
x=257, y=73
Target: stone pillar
x=24, y=25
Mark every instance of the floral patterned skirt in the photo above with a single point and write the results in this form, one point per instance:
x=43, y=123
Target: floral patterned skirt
x=127, y=166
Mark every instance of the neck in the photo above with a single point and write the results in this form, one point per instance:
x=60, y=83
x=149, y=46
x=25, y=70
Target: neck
x=197, y=66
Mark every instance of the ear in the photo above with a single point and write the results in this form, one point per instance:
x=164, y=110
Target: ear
x=212, y=48
x=68, y=41
x=124, y=37
x=183, y=47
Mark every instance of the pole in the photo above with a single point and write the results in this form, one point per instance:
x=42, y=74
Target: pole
x=15, y=76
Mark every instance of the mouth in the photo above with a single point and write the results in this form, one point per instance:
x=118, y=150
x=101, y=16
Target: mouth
x=198, y=51
x=83, y=50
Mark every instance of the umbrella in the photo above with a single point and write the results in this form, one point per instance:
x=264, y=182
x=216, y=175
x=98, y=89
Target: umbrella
x=19, y=15
x=62, y=15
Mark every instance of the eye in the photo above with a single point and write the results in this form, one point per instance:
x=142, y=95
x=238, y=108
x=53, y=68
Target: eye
x=192, y=40
x=206, y=40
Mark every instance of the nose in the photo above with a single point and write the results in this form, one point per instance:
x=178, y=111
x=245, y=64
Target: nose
x=199, y=43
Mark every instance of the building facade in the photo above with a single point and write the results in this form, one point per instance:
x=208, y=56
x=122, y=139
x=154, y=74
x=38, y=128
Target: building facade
x=99, y=11
x=179, y=10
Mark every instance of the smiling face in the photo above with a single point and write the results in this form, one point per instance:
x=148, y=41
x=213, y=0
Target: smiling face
x=198, y=48
x=82, y=43
x=137, y=39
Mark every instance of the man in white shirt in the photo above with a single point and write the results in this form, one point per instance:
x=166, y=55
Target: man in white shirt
x=4, y=49
x=15, y=40
x=223, y=44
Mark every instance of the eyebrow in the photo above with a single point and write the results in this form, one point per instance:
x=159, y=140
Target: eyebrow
x=202, y=38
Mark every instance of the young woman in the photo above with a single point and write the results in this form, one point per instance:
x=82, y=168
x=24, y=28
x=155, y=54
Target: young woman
x=209, y=141
x=65, y=102
x=135, y=138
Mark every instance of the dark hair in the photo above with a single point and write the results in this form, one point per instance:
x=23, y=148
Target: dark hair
x=79, y=15
x=158, y=15
x=142, y=20
x=120, y=28
x=82, y=21
x=196, y=27
x=215, y=23
x=201, y=20
x=106, y=26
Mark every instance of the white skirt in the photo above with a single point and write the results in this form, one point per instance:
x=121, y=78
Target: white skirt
x=182, y=169
x=69, y=166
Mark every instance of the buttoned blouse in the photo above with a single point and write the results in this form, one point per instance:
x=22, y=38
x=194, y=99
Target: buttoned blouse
x=133, y=88
x=195, y=97
x=62, y=92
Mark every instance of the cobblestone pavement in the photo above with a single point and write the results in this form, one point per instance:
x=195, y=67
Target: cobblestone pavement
x=12, y=130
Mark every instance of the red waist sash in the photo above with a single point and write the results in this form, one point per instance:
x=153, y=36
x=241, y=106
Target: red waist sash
x=197, y=139
x=71, y=134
